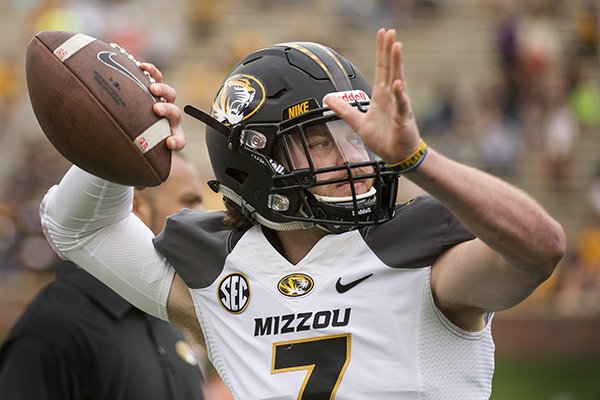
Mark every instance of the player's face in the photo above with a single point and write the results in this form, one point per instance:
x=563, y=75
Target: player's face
x=331, y=144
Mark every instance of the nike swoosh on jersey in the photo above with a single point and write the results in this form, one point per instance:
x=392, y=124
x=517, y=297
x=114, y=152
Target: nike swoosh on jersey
x=343, y=288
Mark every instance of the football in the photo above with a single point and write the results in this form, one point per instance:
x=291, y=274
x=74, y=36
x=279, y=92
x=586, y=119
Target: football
x=92, y=101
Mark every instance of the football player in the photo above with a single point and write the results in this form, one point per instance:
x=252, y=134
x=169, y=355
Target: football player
x=314, y=283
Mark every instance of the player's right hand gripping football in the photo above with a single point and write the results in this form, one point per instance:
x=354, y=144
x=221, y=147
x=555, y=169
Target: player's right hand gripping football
x=167, y=109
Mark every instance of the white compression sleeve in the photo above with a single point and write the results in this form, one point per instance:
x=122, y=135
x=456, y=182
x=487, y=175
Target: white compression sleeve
x=88, y=220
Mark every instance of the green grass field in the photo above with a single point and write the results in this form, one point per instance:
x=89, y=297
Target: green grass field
x=516, y=379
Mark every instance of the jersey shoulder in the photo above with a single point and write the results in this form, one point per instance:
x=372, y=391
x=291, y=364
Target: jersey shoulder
x=196, y=244
x=421, y=229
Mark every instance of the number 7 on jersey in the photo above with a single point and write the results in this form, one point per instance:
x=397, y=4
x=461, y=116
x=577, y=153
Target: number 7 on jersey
x=325, y=358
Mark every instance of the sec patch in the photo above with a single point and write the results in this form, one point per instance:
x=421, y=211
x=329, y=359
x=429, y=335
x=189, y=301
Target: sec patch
x=234, y=293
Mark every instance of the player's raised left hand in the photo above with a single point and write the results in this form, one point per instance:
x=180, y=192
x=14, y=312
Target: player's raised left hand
x=388, y=128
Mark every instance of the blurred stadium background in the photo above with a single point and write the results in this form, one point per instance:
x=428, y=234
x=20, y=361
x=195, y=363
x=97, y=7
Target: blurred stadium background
x=510, y=86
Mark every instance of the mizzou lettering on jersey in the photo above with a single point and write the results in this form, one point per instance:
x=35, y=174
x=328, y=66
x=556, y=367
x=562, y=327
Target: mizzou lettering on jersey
x=289, y=323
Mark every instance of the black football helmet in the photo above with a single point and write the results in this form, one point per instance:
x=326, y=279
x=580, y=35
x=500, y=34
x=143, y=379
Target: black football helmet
x=282, y=156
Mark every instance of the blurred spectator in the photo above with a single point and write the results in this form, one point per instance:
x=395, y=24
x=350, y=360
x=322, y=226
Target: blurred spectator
x=560, y=138
x=587, y=29
x=56, y=15
x=39, y=167
x=499, y=145
x=588, y=247
x=205, y=17
x=397, y=13
x=594, y=192
x=8, y=232
x=584, y=92
x=568, y=286
x=507, y=47
x=9, y=89
x=539, y=45
x=579, y=290
x=588, y=244
x=497, y=135
x=440, y=117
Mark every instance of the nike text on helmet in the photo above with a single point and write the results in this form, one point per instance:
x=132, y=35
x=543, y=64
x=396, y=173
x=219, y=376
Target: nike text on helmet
x=284, y=158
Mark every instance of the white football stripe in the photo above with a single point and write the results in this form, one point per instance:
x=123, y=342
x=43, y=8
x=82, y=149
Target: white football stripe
x=72, y=46
x=153, y=135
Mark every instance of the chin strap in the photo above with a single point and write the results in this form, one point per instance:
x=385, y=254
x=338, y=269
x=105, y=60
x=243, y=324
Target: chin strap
x=341, y=201
x=253, y=214
x=346, y=199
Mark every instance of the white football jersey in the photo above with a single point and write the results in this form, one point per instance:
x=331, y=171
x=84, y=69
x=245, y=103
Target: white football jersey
x=355, y=319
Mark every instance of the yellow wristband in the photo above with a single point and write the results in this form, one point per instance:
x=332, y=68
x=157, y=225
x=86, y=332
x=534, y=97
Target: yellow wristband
x=411, y=162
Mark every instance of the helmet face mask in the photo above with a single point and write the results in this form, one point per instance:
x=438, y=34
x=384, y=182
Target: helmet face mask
x=288, y=161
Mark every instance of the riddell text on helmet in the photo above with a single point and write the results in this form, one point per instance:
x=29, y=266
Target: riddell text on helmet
x=350, y=96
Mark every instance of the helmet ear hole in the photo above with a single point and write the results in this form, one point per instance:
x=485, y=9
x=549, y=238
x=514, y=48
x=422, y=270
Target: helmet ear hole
x=238, y=175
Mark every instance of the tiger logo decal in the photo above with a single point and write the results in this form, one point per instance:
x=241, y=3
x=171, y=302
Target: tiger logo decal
x=239, y=98
x=295, y=285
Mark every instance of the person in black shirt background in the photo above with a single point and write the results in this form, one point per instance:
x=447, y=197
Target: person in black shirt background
x=78, y=339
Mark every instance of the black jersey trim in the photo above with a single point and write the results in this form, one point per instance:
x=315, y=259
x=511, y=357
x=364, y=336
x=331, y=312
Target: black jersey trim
x=419, y=232
x=196, y=244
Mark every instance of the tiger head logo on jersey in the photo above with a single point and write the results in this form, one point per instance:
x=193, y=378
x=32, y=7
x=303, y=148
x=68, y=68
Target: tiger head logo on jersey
x=295, y=285
x=239, y=98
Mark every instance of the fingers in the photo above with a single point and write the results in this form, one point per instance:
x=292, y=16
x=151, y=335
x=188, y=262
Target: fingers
x=396, y=70
x=166, y=108
x=389, y=40
x=176, y=142
x=385, y=44
x=152, y=70
x=345, y=111
x=157, y=88
x=379, y=65
x=398, y=83
x=164, y=91
x=173, y=113
x=402, y=101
